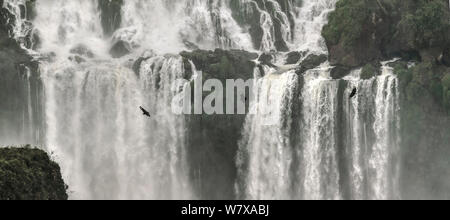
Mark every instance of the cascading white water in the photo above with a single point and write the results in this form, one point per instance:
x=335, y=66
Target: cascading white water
x=384, y=159
x=309, y=21
x=371, y=135
x=374, y=166
x=105, y=147
x=266, y=144
x=167, y=26
x=64, y=25
x=92, y=126
x=165, y=134
x=108, y=150
x=320, y=175
x=315, y=175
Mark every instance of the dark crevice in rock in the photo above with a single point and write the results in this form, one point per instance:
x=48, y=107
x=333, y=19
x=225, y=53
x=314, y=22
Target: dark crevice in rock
x=111, y=15
x=213, y=139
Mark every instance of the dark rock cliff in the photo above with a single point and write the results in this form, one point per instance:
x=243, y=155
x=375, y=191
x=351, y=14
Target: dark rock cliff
x=111, y=16
x=213, y=139
x=362, y=31
x=29, y=174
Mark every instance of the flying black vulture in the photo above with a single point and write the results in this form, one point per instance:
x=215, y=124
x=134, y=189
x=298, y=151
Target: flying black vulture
x=354, y=91
x=145, y=112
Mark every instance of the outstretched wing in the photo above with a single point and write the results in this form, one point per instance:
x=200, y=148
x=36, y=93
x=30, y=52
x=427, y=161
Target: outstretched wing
x=145, y=112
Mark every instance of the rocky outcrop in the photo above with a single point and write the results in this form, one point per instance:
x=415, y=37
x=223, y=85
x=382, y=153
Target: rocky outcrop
x=120, y=49
x=294, y=57
x=29, y=174
x=213, y=139
x=369, y=71
x=311, y=62
x=363, y=31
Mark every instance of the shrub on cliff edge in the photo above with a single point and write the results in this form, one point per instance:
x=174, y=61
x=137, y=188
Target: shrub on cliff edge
x=29, y=174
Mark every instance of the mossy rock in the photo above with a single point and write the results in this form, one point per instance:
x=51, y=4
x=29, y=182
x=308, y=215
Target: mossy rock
x=369, y=71
x=29, y=174
x=446, y=81
x=404, y=74
x=311, y=62
x=339, y=72
x=446, y=91
x=424, y=79
x=363, y=31
x=345, y=23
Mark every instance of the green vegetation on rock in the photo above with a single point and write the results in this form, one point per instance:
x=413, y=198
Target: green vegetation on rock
x=29, y=174
x=346, y=23
x=446, y=89
x=424, y=128
x=369, y=71
x=362, y=31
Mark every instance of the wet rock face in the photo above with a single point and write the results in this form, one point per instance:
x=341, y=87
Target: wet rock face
x=266, y=59
x=120, y=49
x=223, y=64
x=29, y=174
x=311, y=62
x=111, y=16
x=369, y=71
x=294, y=57
x=18, y=78
x=339, y=72
x=446, y=57
x=213, y=139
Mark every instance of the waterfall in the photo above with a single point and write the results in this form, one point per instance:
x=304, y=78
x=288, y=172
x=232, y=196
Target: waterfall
x=66, y=28
x=181, y=24
x=267, y=174
x=106, y=148
x=305, y=138
x=319, y=173
x=272, y=166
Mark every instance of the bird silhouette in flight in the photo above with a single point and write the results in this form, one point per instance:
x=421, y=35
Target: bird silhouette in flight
x=354, y=92
x=145, y=112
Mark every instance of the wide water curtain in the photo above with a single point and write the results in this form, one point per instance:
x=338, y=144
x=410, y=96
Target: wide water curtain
x=106, y=149
x=100, y=60
x=324, y=145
